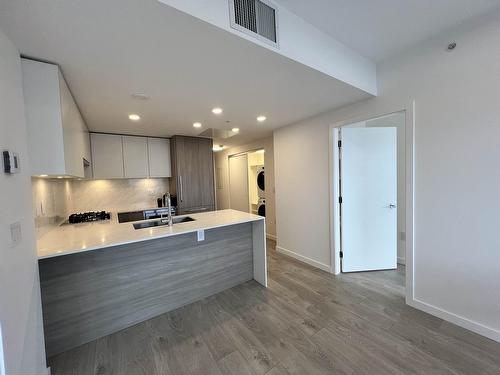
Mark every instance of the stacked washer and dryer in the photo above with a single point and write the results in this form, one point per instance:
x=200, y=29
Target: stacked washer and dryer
x=261, y=186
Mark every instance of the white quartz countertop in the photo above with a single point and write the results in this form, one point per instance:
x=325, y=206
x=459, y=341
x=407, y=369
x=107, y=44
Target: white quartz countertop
x=75, y=238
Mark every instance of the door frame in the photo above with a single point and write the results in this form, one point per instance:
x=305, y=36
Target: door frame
x=334, y=188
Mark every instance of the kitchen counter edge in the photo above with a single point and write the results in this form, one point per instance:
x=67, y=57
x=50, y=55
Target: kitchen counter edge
x=219, y=219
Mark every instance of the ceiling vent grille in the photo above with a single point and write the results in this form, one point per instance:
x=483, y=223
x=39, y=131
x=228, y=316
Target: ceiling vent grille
x=255, y=17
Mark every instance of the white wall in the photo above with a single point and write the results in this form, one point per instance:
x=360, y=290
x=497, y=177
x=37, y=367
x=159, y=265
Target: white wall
x=20, y=307
x=299, y=41
x=222, y=178
x=301, y=179
x=457, y=176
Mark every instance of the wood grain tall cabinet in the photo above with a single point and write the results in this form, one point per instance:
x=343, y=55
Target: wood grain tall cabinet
x=192, y=174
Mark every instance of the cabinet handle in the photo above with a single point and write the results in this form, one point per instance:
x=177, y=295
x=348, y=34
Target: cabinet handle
x=197, y=209
x=180, y=188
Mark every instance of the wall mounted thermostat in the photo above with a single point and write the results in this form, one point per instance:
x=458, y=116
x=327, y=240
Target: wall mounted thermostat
x=10, y=162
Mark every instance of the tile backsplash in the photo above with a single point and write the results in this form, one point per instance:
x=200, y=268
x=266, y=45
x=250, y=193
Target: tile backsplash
x=117, y=195
x=54, y=200
x=51, y=203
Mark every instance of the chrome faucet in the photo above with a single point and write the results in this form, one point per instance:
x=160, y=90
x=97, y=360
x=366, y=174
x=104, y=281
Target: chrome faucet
x=167, y=202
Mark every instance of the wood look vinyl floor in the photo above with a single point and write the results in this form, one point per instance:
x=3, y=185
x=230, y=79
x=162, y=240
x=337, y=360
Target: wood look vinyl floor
x=307, y=322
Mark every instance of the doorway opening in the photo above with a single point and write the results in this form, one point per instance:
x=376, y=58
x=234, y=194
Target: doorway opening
x=2, y=363
x=369, y=194
x=247, y=187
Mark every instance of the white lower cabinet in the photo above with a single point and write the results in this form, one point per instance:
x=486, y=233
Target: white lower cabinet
x=117, y=156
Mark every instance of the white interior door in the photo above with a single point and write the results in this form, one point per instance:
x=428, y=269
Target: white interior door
x=238, y=183
x=369, y=195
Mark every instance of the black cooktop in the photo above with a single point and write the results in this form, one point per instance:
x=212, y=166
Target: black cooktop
x=87, y=217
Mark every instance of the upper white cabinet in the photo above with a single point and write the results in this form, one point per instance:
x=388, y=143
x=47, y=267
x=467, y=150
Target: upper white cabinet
x=58, y=137
x=135, y=157
x=116, y=156
x=159, y=157
x=107, y=156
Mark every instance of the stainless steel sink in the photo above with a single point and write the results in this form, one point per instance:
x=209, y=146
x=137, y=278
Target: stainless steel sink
x=159, y=223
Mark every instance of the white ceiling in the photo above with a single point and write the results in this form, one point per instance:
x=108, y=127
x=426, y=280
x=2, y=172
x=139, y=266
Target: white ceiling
x=110, y=49
x=379, y=29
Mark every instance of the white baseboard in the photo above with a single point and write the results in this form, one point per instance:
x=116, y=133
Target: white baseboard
x=304, y=259
x=478, y=328
x=401, y=261
x=271, y=237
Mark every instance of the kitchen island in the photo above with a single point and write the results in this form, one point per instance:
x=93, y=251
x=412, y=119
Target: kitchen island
x=102, y=277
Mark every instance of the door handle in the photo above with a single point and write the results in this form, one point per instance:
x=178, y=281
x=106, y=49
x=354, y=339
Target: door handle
x=391, y=206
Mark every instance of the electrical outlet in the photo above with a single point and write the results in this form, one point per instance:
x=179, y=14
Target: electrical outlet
x=15, y=234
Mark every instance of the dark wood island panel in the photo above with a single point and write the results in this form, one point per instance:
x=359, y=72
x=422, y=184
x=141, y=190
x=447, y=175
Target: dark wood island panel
x=93, y=294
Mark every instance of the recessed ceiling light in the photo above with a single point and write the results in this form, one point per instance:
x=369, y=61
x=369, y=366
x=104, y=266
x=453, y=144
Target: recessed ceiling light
x=197, y=124
x=140, y=96
x=217, y=111
x=217, y=148
x=134, y=117
x=261, y=118
x=235, y=130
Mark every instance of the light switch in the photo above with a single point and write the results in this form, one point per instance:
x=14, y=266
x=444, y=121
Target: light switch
x=15, y=233
x=201, y=235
